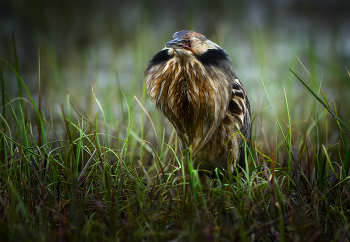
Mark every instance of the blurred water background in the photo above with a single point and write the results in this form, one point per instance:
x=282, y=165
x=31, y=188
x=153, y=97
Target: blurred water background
x=103, y=43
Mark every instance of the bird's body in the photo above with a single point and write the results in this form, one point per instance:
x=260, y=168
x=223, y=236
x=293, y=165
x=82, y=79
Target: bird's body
x=193, y=84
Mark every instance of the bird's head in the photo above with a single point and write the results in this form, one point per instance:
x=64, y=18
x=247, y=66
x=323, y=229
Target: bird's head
x=189, y=48
x=187, y=43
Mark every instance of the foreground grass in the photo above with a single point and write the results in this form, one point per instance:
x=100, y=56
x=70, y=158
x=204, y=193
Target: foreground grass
x=68, y=176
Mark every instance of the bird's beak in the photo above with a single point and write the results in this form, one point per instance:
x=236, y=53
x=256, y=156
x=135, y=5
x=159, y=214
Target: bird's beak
x=175, y=43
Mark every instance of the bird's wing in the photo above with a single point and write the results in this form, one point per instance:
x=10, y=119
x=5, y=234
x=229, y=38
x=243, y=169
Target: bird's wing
x=239, y=107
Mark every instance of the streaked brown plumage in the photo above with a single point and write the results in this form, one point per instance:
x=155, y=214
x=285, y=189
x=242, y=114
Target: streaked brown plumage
x=193, y=84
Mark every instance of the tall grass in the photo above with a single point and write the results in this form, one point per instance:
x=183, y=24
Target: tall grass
x=68, y=174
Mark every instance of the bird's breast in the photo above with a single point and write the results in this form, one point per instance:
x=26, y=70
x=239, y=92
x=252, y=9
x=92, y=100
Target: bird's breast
x=186, y=101
x=187, y=94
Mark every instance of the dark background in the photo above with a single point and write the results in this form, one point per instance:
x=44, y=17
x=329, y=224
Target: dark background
x=84, y=43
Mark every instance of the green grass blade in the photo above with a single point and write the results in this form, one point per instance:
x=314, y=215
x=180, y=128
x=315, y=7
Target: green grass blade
x=31, y=98
x=326, y=106
x=103, y=114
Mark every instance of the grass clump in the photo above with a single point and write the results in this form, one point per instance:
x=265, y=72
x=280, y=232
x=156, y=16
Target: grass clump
x=66, y=175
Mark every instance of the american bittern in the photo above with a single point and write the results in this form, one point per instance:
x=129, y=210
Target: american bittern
x=193, y=84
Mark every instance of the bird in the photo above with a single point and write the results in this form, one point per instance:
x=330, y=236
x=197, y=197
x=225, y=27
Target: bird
x=192, y=82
